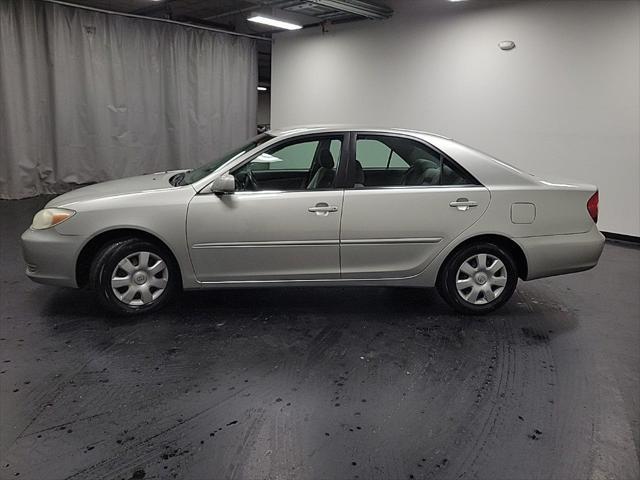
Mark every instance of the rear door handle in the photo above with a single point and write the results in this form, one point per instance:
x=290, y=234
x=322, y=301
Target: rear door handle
x=323, y=208
x=463, y=204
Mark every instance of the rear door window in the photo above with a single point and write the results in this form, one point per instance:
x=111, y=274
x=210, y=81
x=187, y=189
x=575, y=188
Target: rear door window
x=387, y=160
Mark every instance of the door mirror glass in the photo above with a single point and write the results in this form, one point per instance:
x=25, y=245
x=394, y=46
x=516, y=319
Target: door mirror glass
x=224, y=184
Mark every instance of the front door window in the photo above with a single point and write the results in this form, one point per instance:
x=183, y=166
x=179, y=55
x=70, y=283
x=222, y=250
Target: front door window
x=305, y=164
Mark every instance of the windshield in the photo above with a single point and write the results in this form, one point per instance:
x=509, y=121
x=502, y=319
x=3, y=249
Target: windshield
x=201, y=172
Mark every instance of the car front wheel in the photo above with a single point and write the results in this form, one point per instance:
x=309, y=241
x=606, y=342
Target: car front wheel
x=478, y=278
x=133, y=276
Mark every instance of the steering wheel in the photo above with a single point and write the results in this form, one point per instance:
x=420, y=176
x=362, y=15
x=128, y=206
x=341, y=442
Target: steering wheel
x=246, y=180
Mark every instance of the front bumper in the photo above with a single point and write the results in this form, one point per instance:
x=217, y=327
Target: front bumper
x=51, y=257
x=559, y=254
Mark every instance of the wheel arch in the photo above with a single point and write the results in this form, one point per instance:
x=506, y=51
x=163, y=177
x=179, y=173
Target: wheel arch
x=501, y=240
x=93, y=246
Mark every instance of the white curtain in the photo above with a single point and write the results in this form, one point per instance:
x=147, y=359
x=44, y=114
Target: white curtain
x=88, y=96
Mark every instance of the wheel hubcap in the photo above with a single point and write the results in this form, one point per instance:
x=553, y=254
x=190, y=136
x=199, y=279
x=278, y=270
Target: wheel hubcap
x=481, y=279
x=139, y=278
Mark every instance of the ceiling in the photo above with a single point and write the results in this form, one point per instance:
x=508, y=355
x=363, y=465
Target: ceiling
x=232, y=14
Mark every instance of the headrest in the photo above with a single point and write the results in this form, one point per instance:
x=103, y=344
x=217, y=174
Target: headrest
x=325, y=159
x=431, y=176
x=422, y=164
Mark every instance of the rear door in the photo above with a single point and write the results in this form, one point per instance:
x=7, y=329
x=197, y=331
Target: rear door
x=404, y=203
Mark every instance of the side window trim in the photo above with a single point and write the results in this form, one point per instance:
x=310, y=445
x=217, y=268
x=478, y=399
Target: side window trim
x=346, y=155
x=349, y=184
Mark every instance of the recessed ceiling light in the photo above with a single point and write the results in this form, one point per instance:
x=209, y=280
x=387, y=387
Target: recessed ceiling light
x=274, y=23
x=262, y=89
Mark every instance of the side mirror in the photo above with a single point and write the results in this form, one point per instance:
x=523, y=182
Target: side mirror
x=224, y=184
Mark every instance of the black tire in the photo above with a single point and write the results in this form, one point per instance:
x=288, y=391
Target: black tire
x=448, y=277
x=105, y=263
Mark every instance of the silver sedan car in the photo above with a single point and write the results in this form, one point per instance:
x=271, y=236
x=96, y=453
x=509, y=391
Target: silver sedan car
x=319, y=206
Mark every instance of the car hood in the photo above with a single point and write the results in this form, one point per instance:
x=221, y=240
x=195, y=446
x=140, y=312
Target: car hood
x=139, y=184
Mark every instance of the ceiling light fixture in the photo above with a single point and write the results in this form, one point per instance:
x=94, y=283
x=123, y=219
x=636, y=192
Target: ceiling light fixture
x=262, y=89
x=274, y=23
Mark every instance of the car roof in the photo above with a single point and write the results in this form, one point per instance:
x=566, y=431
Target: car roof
x=301, y=129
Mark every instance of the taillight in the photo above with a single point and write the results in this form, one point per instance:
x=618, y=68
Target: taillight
x=592, y=206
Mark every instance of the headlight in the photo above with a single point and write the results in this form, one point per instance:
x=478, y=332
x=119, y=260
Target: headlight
x=49, y=217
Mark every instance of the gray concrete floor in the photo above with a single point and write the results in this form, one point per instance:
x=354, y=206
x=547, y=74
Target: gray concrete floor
x=370, y=383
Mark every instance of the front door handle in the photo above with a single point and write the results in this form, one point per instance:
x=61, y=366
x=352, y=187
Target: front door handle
x=463, y=204
x=323, y=208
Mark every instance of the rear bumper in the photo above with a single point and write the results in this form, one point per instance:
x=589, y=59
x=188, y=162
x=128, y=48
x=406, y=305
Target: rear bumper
x=558, y=254
x=51, y=257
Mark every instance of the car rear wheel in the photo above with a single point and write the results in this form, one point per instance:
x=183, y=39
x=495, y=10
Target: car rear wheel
x=478, y=278
x=133, y=276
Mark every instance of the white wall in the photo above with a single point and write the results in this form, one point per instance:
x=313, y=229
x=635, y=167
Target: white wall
x=565, y=102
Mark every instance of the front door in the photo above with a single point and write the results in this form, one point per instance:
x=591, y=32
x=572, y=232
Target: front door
x=406, y=203
x=283, y=221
